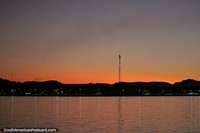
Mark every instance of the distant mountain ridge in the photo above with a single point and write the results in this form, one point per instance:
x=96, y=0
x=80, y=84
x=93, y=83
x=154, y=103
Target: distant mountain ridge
x=53, y=87
x=149, y=84
x=186, y=82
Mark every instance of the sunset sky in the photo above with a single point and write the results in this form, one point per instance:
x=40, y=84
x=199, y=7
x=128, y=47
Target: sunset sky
x=78, y=41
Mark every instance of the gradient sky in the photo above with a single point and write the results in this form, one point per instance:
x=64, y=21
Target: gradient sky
x=78, y=41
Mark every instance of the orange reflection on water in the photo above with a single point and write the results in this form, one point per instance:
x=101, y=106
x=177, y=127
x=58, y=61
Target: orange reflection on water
x=103, y=114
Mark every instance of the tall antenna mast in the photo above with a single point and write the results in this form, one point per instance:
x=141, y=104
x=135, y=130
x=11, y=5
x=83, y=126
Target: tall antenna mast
x=11, y=75
x=119, y=68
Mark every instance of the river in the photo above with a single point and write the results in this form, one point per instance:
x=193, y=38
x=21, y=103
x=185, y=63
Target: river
x=102, y=114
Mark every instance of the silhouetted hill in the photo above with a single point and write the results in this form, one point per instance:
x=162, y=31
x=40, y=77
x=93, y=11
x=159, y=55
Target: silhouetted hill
x=55, y=88
x=150, y=84
x=4, y=81
x=187, y=83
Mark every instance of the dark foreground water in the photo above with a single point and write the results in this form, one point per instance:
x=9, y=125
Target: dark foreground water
x=103, y=114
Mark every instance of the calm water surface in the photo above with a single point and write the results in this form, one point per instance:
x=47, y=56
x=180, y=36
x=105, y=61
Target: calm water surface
x=103, y=114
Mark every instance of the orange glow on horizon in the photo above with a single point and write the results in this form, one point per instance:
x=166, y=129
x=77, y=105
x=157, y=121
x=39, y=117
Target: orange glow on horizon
x=98, y=79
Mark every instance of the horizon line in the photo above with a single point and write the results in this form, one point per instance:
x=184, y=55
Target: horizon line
x=97, y=82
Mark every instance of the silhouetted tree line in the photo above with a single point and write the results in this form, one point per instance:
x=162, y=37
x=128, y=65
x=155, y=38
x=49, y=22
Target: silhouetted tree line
x=55, y=88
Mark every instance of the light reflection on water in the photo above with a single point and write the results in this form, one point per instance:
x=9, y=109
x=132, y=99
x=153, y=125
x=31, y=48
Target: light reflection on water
x=103, y=114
